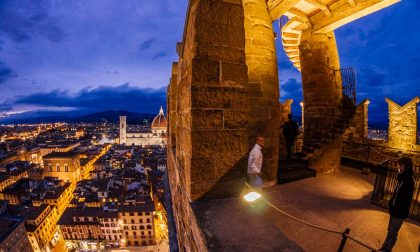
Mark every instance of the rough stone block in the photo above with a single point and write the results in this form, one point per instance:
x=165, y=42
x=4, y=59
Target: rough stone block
x=207, y=143
x=236, y=119
x=202, y=169
x=205, y=72
x=225, y=12
x=234, y=74
x=218, y=97
x=207, y=119
x=221, y=53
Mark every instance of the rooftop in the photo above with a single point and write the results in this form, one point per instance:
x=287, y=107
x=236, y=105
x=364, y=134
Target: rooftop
x=55, y=154
x=8, y=224
x=35, y=211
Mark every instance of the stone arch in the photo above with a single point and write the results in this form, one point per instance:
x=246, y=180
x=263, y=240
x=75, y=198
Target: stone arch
x=309, y=41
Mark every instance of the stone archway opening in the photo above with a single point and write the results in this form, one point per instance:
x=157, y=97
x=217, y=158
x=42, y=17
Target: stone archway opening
x=309, y=42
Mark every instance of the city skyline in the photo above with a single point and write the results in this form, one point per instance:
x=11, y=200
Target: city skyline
x=79, y=57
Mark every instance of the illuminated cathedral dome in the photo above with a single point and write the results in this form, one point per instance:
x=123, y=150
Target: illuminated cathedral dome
x=160, y=121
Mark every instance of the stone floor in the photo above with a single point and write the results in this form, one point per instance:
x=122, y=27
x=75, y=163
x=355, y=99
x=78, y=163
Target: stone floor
x=332, y=201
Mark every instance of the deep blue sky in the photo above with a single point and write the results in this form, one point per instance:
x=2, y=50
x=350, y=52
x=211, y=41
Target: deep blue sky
x=81, y=55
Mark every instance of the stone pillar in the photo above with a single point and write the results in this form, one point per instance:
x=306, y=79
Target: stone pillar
x=263, y=83
x=302, y=105
x=322, y=91
x=402, y=128
x=358, y=129
x=172, y=106
x=212, y=112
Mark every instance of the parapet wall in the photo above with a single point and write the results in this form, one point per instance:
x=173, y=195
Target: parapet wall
x=189, y=234
x=402, y=129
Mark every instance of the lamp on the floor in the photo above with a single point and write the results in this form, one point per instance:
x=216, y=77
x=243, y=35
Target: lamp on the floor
x=252, y=196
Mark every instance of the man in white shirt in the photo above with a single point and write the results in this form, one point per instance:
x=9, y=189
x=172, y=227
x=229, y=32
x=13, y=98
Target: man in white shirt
x=255, y=161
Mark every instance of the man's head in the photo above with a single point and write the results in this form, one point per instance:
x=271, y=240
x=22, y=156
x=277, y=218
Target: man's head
x=290, y=116
x=406, y=166
x=260, y=141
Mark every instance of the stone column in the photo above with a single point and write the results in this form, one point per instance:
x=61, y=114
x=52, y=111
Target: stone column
x=322, y=91
x=212, y=112
x=263, y=83
x=402, y=129
x=358, y=128
x=302, y=106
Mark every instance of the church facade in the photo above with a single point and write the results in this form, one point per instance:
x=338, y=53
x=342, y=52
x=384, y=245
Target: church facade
x=156, y=135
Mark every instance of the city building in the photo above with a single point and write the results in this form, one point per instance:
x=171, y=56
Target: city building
x=63, y=165
x=54, y=192
x=60, y=147
x=155, y=136
x=13, y=235
x=14, y=171
x=41, y=226
x=82, y=226
x=19, y=192
x=137, y=222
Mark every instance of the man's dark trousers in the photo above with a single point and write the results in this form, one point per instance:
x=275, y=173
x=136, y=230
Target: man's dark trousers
x=289, y=146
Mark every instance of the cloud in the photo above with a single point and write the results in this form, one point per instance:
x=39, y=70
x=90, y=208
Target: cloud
x=32, y=20
x=100, y=98
x=146, y=44
x=6, y=72
x=292, y=89
x=5, y=106
x=160, y=54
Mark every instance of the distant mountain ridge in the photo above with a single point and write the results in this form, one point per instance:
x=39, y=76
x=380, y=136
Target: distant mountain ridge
x=111, y=116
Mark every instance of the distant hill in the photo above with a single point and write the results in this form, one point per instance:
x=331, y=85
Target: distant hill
x=113, y=117
x=76, y=117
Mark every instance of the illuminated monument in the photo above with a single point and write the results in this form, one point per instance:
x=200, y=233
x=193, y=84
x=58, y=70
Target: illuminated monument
x=157, y=135
x=224, y=91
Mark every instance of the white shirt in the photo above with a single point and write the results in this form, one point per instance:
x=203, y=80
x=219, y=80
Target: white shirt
x=255, y=160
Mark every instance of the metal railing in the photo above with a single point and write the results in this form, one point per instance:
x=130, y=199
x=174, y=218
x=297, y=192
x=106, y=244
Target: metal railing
x=385, y=183
x=348, y=83
x=333, y=120
x=383, y=161
x=374, y=153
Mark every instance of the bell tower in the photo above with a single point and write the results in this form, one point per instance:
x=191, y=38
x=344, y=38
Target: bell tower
x=123, y=129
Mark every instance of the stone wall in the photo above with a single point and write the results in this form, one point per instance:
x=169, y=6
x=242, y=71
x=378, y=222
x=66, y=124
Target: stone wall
x=189, y=235
x=358, y=128
x=402, y=128
x=208, y=103
x=172, y=106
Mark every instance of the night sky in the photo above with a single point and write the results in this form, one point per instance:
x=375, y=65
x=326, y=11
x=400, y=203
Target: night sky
x=80, y=55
